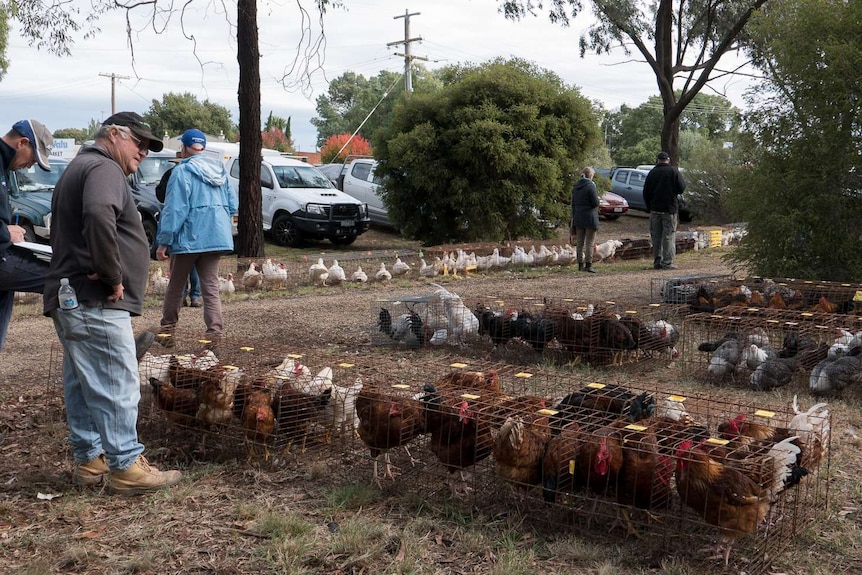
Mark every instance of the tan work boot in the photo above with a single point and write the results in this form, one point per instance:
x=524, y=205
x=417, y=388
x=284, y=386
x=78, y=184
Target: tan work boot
x=91, y=472
x=141, y=477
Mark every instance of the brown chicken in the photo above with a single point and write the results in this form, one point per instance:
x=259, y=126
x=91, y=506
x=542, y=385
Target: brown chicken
x=258, y=418
x=387, y=421
x=180, y=405
x=600, y=459
x=645, y=479
x=470, y=381
x=216, y=393
x=459, y=437
x=518, y=449
x=558, y=465
x=726, y=497
x=823, y=305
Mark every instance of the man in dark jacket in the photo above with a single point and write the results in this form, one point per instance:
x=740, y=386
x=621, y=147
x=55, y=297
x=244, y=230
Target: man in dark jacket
x=27, y=143
x=585, y=218
x=100, y=246
x=662, y=189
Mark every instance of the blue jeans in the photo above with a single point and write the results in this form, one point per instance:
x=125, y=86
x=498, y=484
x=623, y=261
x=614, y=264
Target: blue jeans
x=101, y=384
x=662, y=231
x=19, y=271
x=193, y=287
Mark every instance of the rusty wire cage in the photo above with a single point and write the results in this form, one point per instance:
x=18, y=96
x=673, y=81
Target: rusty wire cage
x=226, y=399
x=684, y=289
x=587, y=454
x=764, y=348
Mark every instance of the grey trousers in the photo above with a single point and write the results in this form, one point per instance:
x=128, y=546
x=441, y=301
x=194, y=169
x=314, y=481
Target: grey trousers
x=207, y=266
x=662, y=231
x=586, y=239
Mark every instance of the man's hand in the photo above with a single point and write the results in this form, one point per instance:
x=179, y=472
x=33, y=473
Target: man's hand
x=16, y=234
x=117, y=294
x=162, y=253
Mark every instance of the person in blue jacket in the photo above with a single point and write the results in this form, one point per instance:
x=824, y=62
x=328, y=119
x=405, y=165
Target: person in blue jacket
x=195, y=229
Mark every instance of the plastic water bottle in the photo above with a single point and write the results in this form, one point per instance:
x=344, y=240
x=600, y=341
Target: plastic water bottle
x=67, y=296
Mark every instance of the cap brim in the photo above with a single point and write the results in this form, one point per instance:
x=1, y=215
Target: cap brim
x=42, y=158
x=156, y=144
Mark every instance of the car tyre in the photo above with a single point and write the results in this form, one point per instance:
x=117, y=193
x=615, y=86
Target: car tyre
x=343, y=240
x=285, y=233
x=150, y=230
x=29, y=233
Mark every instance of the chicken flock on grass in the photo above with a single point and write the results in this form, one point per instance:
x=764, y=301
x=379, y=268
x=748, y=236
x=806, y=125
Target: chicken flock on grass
x=832, y=365
x=603, y=439
x=281, y=407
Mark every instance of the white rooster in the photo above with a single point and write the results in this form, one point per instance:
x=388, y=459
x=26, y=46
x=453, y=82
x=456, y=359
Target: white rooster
x=252, y=278
x=159, y=281
x=462, y=321
x=340, y=412
x=336, y=273
x=226, y=285
x=606, y=250
x=399, y=268
x=274, y=275
x=383, y=274
x=318, y=273
x=359, y=275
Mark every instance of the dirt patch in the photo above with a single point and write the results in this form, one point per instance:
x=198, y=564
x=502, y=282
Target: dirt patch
x=318, y=513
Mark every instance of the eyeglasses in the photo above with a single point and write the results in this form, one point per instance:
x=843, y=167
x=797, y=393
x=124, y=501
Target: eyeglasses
x=141, y=146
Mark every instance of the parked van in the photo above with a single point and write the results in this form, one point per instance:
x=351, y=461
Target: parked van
x=299, y=202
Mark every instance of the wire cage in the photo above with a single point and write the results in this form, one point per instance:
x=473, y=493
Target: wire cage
x=767, y=348
x=589, y=454
x=234, y=399
x=685, y=289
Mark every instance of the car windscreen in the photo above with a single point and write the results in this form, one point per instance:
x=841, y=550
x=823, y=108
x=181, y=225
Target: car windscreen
x=35, y=178
x=152, y=169
x=300, y=177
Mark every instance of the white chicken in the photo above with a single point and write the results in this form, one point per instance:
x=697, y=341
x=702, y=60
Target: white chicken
x=359, y=275
x=426, y=270
x=226, y=285
x=274, y=275
x=520, y=257
x=543, y=255
x=318, y=273
x=340, y=412
x=758, y=337
x=291, y=369
x=252, y=278
x=606, y=250
x=383, y=274
x=399, y=268
x=497, y=261
x=159, y=281
x=753, y=356
x=462, y=321
x=314, y=385
x=336, y=273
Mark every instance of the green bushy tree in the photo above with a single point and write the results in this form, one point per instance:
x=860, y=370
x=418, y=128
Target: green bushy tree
x=488, y=156
x=801, y=188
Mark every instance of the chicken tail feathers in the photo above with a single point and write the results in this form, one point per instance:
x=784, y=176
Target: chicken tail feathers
x=783, y=454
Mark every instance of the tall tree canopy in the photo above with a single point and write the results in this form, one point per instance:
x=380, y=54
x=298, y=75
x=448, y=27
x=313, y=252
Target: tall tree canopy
x=177, y=113
x=488, y=156
x=802, y=191
x=681, y=40
x=351, y=98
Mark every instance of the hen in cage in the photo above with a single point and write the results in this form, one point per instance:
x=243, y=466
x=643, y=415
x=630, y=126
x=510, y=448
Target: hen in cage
x=387, y=420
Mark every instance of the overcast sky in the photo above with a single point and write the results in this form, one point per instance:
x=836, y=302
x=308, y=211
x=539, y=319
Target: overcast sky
x=67, y=92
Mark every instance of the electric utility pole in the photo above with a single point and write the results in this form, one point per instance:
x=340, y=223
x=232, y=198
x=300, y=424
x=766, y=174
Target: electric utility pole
x=114, y=78
x=408, y=57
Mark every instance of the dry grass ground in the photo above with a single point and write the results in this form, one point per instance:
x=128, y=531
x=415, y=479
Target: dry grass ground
x=301, y=516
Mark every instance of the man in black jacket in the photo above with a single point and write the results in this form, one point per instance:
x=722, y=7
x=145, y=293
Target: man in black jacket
x=662, y=189
x=27, y=143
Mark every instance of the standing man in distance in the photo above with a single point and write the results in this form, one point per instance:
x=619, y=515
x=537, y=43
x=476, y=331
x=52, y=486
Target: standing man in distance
x=195, y=228
x=27, y=143
x=100, y=245
x=585, y=218
x=664, y=184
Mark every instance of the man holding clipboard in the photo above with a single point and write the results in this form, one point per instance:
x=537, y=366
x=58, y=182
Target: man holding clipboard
x=27, y=143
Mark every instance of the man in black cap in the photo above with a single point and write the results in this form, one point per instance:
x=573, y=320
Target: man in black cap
x=100, y=246
x=662, y=188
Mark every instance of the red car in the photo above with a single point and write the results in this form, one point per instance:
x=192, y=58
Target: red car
x=612, y=206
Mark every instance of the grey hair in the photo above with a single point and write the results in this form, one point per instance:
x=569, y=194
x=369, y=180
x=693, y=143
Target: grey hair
x=588, y=172
x=105, y=129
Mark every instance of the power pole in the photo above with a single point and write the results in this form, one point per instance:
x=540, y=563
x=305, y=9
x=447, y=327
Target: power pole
x=408, y=57
x=114, y=78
